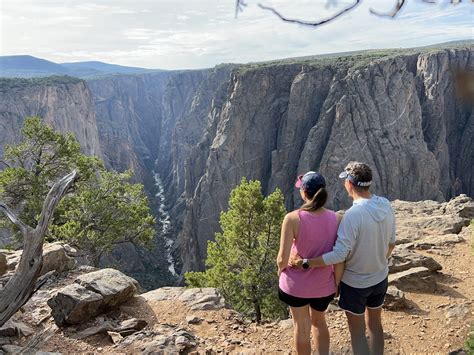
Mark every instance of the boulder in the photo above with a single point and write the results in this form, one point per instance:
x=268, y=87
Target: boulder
x=12, y=349
x=461, y=205
x=90, y=295
x=417, y=221
x=163, y=294
x=395, y=299
x=114, y=286
x=458, y=311
x=193, y=319
x=14, y=328
x=203, y=298
x=417, y=279
x=163, y=339
x=196, y=298
x=75, y=304
x=467, y=232
x=3, y=264
x=402, y=260
x=122, y=329
x=56, y=256
x=438, y=241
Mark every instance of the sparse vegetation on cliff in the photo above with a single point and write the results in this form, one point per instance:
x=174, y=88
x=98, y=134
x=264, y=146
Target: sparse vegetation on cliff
x=241, y=262
x=353, y=59
x=7, y=84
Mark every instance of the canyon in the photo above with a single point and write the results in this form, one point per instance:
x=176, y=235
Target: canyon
x=190, y=136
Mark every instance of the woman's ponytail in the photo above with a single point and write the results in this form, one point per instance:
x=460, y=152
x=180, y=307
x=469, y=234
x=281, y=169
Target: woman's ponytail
x=317, y=201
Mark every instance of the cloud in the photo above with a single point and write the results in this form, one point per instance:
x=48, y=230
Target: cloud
x=173, y=34
x=182, y=18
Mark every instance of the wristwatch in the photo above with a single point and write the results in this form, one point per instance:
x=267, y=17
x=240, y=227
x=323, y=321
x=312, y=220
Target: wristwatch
x=305, y=264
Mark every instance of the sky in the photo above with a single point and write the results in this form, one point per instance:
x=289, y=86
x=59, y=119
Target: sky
x=188, y=34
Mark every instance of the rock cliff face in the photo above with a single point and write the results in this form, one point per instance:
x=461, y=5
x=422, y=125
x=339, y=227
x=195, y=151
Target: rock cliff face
x=398, y=112
x=66, y=106
x=153, y=123
x=191, y=135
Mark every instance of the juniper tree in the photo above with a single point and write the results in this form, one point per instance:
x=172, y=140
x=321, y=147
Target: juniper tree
x=241, y=260
x=105, y=209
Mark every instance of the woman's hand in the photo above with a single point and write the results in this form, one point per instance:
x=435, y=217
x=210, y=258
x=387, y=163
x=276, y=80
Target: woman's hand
x=295, y=261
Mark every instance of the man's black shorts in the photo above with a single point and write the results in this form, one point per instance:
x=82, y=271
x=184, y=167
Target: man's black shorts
x=355, y=300
x=318, y=304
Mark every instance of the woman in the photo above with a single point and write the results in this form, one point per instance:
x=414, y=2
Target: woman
x=309, y=231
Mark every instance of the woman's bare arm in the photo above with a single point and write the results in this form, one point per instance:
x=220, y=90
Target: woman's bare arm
x=288, y=228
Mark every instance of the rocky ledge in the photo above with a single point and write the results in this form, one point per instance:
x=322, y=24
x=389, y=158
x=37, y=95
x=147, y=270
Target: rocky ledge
x=428, y=305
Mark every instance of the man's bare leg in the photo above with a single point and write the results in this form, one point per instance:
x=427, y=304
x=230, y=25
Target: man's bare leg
x=374, y=325
x=357, y=328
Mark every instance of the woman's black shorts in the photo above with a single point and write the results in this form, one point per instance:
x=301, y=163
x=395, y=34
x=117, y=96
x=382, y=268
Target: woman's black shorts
x=318, y=304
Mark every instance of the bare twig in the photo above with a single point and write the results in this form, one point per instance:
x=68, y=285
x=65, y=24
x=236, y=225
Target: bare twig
x=399, y=5
x=239, y=6
x=5, y=163
x=312, y=23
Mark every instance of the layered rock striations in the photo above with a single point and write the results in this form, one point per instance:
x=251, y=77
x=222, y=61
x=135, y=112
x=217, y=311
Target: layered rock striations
x=153, y=124
x=64, y=103
x=399, y=113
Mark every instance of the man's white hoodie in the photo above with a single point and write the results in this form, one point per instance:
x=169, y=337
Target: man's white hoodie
x=363, y=239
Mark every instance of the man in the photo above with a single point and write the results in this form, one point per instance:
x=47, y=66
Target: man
x=366, y=238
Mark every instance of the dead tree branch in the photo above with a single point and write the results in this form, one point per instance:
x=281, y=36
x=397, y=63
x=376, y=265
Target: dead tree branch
x=312, y=23
x=400, y=4
x=22, y=284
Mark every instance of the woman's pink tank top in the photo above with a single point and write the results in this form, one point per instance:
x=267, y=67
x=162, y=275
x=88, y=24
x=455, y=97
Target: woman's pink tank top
x=317, y=235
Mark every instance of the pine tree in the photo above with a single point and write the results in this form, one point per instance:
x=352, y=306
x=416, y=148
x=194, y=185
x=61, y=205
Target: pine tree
x=241, y=260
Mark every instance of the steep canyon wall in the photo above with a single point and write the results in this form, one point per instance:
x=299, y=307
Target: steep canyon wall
x=201, y=131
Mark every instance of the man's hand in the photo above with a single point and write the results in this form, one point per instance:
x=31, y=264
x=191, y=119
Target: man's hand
x=295, y=261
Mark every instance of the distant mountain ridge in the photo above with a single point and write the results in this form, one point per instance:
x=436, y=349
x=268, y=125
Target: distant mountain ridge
x=27, y=66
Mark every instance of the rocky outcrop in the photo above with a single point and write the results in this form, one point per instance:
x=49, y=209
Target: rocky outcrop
x=395, y=299
x=195, y=298
x=90, y=295
x=68, y=107
x=423, y=221
x=162, y=340
x=402, y=260
x=418, y=279
x=58, y=257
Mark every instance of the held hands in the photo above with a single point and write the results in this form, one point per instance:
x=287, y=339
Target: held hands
x=295, y=261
